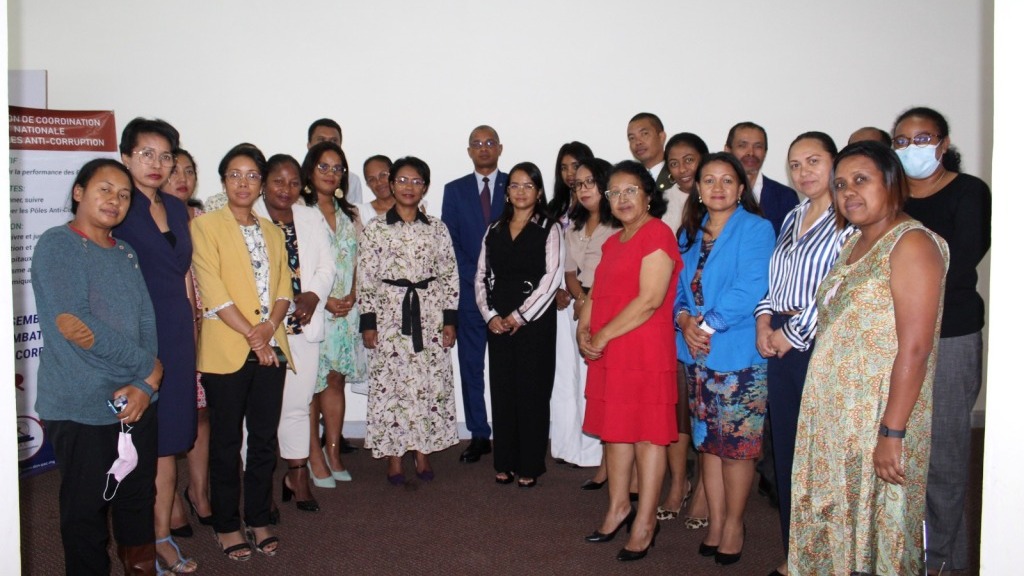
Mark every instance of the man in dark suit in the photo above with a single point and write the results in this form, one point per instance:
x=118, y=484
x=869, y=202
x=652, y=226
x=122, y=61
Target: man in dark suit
x=470, y=204
x=646, y=135
x=749, y=143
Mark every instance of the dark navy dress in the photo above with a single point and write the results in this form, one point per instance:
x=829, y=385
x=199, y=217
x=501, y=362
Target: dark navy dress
x=164, y=260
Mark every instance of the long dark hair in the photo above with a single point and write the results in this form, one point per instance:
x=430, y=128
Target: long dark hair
x=561, y=194
x=309, y=165
x=599, y=169
x=696, y=210
x=540, y=208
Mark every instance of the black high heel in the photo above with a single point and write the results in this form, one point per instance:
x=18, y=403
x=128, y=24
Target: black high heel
x=287, y=494
x=626, y=555
x=707, y=551
x=204, y=520
x=597, y=536
x=726, y=559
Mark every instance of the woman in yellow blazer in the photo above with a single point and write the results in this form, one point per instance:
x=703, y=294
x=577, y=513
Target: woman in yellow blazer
x=241, y=264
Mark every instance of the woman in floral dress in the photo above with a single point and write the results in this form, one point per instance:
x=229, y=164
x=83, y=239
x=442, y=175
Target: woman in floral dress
x=409, y=296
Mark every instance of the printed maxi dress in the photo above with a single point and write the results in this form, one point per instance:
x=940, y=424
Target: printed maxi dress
x=341, y=335
x=845, y=519
x=411, y=400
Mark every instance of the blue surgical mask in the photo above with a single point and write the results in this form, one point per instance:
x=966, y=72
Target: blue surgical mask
x=919, y=161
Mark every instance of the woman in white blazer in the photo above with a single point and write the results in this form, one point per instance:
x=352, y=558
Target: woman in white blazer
x=307, y=243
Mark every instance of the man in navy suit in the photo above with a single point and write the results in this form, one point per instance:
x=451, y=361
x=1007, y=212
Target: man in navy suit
x=470, y=204
x=749, y=143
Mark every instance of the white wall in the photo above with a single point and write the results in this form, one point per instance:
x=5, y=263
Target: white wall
x=407, y=77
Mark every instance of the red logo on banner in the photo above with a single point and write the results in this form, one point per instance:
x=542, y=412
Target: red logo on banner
x=61, y=130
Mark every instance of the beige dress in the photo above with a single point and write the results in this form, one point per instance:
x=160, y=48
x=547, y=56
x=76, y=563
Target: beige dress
x=844, y=517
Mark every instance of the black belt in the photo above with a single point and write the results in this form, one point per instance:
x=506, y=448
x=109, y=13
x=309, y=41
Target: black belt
x=411, y=309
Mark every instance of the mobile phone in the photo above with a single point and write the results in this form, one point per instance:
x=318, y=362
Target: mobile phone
x=118, y=404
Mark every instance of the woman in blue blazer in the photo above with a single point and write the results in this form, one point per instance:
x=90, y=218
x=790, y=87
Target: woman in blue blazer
x=725, y=246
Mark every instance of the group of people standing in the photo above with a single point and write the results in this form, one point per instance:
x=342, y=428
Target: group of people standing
x=643, y=308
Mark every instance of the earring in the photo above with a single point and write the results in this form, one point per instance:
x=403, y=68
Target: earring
x=307, y=191
x=648, y=206
x=338, y=193
x=700, y=199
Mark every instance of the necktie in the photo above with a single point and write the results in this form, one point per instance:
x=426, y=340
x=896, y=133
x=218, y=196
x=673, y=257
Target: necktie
x=485, y=200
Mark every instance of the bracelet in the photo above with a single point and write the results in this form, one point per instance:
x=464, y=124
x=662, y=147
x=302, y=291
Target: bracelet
x=887, y=432
x=269, y=321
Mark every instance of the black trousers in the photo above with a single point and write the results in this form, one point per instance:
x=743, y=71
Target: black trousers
x=786, y=377
x=84, y=454
x=253, y=393
x=522, y=371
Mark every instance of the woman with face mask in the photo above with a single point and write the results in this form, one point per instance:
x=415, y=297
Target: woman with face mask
x=957, y=207
x=98, y=376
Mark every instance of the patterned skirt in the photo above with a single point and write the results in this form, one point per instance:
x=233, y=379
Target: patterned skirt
x=727, y=410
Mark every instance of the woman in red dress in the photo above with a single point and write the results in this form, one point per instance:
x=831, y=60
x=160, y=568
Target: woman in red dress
x=626, y=334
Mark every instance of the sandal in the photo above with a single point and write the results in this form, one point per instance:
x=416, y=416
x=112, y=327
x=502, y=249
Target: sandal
x=267, y=546
x=182, y=566
x=668, y=514
x=504, y=477
x=526, y=482
x=233, y=551
x=693, y=523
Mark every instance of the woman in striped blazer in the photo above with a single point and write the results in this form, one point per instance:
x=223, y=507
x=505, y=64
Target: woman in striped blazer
x=787, y=318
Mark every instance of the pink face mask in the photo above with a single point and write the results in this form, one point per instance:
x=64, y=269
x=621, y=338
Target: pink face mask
x=127, y=460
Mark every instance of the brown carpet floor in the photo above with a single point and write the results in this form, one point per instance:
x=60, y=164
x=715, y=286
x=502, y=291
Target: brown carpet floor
x=462, y=523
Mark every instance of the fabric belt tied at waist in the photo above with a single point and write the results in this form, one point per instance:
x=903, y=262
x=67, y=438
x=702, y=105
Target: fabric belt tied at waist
x=411, y=325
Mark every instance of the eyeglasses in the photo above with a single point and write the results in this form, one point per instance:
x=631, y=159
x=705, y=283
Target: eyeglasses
x=627, y=192
x=382, y=177
x=588, y=183
x=188, y=172
x=238, y=176
x=921, y=140
x=406, y=181
x=477, y=144
x=515, y=187
x=148, y=156
x=324, y=168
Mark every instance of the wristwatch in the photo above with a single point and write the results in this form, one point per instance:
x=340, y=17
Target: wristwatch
x=884, y=430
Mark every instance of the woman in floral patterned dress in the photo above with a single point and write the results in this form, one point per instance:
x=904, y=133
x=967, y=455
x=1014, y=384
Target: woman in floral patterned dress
x=861, y=461
x=409, y=296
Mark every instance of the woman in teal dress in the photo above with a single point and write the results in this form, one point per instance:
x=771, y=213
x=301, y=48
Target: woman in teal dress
x=325, y=169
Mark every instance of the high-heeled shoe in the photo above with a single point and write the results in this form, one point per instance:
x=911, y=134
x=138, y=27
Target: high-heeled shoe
x=593, y=485
x=182, y=566
x=287, y=493
x=627, y=555
x=597, y=536
x=327, y=482
x=707, y=551
x=727, y=559
x=340, y=476
x=204, y=520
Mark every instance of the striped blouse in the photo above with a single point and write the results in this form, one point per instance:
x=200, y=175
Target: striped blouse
x=798, y=266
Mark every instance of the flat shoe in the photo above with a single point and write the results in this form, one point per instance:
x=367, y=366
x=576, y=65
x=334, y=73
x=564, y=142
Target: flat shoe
x=504, y=478
x=692, y=523
x=526, y=482
x=396, y=479
x=426, y=475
